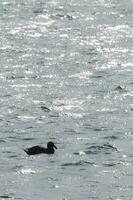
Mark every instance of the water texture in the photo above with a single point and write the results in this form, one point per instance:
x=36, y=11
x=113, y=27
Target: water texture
x=66, y=70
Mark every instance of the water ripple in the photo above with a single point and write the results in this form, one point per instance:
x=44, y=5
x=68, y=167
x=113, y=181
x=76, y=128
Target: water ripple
x=105, y=148
x=45, y=109
x=79, y=163
x=112, y=137
x=110, y=164
x=5, y=197
x=120, y=89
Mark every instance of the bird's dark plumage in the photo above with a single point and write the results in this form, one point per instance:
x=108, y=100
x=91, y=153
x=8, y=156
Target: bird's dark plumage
x=38, y=149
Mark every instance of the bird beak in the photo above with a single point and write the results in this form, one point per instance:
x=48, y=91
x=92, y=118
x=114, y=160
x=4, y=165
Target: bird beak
x=55, y=147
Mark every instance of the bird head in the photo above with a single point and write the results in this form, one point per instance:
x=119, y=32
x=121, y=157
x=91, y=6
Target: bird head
x=51, y=145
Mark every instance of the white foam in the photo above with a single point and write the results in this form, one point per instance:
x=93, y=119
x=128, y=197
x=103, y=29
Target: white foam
x=27, y=171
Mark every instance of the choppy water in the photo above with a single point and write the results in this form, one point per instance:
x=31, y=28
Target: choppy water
x=66, y=70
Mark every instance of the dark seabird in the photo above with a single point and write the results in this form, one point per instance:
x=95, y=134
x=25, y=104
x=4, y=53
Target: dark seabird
x=38, y=149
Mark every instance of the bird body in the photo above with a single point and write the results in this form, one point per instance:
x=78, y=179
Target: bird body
x=39, y=149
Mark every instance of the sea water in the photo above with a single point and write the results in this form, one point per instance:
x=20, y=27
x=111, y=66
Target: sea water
x=66, y=75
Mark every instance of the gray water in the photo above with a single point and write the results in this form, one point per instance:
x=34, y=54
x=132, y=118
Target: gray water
x=66, y=70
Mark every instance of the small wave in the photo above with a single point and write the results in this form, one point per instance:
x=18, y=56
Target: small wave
x=106, y=148
x=28, y=139
x=98, y=76
x=112, y=137
x=45, y=109
x=17, y=167
x=92, y=197
x=66, y=198
x=63, y=16
x=27, y=171
x=79, y=163
x=26, y=118
x=109, y=164
x=7, y=95
x=6, y=151
x=82, y=75
x=39, y=11
x=5, y=197
x=29, y=127
x=98, y=129
x=14, y=77
x=119, y=89
x=2, y=141
x=80, y=153
x=12, y=156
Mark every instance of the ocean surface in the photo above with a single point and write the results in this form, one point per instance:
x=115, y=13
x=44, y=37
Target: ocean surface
x=66, y=75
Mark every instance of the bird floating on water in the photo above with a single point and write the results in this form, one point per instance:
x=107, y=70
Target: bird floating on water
x=39, y=149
